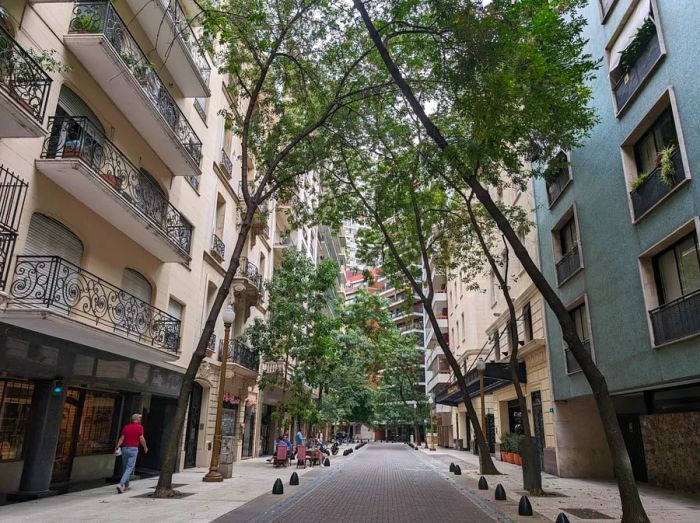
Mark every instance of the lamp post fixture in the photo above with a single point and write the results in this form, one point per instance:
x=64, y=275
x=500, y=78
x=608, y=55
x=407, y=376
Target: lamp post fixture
x=481, y=367
x=214, y=475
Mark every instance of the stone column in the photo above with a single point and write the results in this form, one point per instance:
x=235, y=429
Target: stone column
x=43, y=428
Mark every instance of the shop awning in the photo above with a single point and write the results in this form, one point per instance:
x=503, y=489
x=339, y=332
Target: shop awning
x=496, y=375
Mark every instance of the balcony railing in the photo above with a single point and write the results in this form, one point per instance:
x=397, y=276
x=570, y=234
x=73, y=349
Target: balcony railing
x=249, y=270
x=101, y=18
x=22, y=78
x=568, y=265
x=13, y=191
x=217, y=246
x=226, y=164
x=653, y=188
x=50, y=282
x=187, y=37
x=557, y=185
x=77, y=137
x=240, y=353
x=676, y=319
x=632, y=79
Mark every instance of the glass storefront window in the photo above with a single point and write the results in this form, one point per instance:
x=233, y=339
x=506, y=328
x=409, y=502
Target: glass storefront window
x=96, y=423
x=15, y=401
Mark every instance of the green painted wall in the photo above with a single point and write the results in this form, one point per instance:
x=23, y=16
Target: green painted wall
x=610, y=242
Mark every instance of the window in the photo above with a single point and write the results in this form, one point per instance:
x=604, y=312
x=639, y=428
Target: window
x=677, y=279
x=175, y=309
x=464, y=330
x=634, y=54
x=605, y=5
x=137, y=285
x=658, y=163
x=527, y=323
x=557, y=177
x=48, y=237
x=97, y=423
x=566, y=247
x=200, y=105
x=15, y=402
x=580, y=316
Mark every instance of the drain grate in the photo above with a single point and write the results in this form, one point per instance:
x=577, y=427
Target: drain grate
x=182, y=495
x=586, y=513
x=547, y=494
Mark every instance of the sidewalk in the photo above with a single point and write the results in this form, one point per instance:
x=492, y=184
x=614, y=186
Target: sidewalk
x=662, y=505
x=201, y=501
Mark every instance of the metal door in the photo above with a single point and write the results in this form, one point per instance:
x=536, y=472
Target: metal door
x=193, y=426
x=632, y=434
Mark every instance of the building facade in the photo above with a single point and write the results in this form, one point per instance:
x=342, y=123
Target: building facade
x=124, y=192
x=619, y=241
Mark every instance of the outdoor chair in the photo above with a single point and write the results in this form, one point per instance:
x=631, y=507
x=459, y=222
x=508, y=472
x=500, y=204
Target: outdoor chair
x=281, y=456
x=301, y=456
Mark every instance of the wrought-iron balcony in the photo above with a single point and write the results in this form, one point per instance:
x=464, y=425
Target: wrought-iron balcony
x=13, y=192
x=653, y=189
x=218, y=248
x=55, y=297
x=79, y=158
x=166, y=26
x=568, y=265
x=240, y=354
x=628, y=83
x=100, y=40
x=226, y=165
x=24, y=90
x=248, y=281
x=676, y=319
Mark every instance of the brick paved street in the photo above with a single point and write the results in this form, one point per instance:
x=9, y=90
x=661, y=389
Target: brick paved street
x=379, y=483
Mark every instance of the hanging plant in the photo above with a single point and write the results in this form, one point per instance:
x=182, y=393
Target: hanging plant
x=668, y=169
x=639, y=181
x=631, y=53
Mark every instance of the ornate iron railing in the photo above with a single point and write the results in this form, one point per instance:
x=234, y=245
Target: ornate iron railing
x=101, y=18
x=653, y=188
x=53, y=283
x=568, y=265
x=627, y=85
x=249, y=271
x=187, y=37
x=676, y=319
x=217, y=246
x=240, y=353
x=77, y=137
x=226, y=164
x=13, y=191
x=22, y=78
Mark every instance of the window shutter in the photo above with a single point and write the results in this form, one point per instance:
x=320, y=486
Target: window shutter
x=175, y=309
x=72, y=104
x=47, y=237
x=136, y=284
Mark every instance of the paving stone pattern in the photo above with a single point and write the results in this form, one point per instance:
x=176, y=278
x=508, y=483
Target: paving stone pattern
x=382, y=483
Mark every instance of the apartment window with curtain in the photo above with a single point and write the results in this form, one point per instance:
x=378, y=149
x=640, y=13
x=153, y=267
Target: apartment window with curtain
x=566, y=247
x=677, y=280
x=580, y=316
x=528, y=333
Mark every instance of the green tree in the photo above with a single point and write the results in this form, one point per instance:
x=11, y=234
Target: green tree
x=288, y=74
x=510, y=84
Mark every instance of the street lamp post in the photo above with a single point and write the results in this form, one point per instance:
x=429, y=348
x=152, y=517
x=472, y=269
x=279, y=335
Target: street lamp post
x=214, y=475
x=481, y=367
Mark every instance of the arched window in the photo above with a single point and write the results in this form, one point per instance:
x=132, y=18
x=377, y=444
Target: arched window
x=48, y=237
x=137, y=285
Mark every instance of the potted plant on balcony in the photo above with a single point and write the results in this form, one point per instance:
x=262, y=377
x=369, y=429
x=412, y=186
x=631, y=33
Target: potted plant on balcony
x=665, y=161
x=85, y=22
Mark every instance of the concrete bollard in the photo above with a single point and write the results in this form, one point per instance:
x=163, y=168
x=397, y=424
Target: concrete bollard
x=294, y=480
x=483, y=484
x=278, y=487
x=561, y=518
x=458, y=470
x=452, y=467
x=327, y=463
x=524, y=507
x=500, y=493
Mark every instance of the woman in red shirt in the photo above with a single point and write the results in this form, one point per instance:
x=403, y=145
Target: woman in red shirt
x=132, y=435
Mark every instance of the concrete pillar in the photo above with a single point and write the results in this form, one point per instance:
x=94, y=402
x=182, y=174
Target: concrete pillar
x=42, y=437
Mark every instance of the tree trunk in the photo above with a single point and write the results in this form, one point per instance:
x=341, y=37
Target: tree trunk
x=164, y=488
x=632, y=508
x=532, y=474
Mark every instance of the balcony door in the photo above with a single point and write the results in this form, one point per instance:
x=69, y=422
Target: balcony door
x=76, y=130
x=48, y=237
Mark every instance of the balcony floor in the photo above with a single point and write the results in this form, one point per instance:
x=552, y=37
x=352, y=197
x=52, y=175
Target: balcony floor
x=79, y=180
x=106, y=66
x=17, y=122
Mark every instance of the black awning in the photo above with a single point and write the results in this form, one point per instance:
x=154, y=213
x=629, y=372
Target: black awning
x=496, y=375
